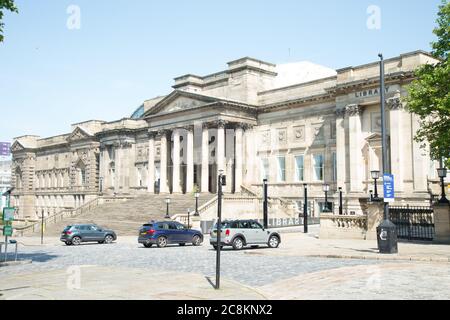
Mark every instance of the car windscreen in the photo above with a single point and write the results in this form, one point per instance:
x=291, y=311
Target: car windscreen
x=148, y=225
x=67, y=228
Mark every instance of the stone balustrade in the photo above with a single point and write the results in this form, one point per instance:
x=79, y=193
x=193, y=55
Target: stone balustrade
x=343, y=227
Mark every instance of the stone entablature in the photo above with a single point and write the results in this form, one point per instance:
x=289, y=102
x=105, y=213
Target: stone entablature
x=321, y=130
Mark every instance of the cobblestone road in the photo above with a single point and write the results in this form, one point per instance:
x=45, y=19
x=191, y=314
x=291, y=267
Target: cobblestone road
x=274, y=275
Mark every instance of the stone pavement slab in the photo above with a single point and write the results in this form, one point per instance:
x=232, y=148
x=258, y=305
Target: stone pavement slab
x=112, y=283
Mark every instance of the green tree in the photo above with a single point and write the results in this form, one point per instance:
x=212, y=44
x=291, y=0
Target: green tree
x=5, y=5
x=429, y=94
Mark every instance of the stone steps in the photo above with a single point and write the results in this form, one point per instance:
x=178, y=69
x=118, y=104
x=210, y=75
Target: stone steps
x=126, y=217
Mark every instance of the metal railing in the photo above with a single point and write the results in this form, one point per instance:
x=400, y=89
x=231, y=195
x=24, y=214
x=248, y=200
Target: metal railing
x=413, y=223
x=59, y=216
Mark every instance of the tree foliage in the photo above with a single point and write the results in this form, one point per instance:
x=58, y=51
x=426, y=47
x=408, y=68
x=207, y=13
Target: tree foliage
x=5, y=5
x=429, y=94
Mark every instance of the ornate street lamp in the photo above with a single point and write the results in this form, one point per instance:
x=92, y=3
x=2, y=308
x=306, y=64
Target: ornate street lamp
x=375, y=176
x=167, y=208
x=442, y=173
x=326, y=188
x=197, y=195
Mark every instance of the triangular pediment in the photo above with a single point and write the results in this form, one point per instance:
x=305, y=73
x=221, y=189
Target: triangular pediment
x=179, y=101
x=17, y=146
x=79, y=134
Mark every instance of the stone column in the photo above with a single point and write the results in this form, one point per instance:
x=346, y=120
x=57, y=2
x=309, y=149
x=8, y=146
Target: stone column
x=151, y=163
x=356, y=158
x=190, y=160
x=420, y=167
x=239, y=156
x=397, y=141
x=205, y=159
x=341, y=165
x=117, y=167
x=220, y=146
x=176, y=162
x=441, y=214
x=164, y=188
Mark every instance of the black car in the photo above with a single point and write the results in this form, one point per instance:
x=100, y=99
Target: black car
x=78, y=233
x=167, y=232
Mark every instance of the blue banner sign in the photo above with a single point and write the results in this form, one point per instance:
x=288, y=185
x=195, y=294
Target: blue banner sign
x=5, y=148
x=388, y=187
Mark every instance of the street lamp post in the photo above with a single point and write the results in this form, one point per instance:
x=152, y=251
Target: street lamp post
x=167, y=208
x=265, y=204
x=305, y=208
x=197, y=195
x=386, y=231
x=340, y=201
x=221, y=181
x=189, y=217
x=442, y=173
x=326, y=188
x=375, y=176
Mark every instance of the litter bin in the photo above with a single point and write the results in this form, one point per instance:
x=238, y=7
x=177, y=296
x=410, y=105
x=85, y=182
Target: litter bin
x=387, y=237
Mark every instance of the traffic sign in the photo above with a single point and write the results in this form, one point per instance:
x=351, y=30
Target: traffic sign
x=388, y=187
x=7, y=231
x=8, y=214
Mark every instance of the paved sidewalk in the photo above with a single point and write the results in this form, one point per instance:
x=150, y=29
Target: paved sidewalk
x=112, y=283
x=309, y=245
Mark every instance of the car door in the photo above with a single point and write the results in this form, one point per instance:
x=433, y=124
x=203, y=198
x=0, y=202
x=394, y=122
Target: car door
x=244, y=228
x=97, y=233
x=258, y=234
x=183, y=233
x=85, y=232
x=174, y=233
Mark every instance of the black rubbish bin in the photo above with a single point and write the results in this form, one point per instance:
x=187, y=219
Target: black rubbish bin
x=387, y=237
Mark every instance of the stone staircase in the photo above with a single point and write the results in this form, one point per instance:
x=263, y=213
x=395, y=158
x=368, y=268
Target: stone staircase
x=126, y=217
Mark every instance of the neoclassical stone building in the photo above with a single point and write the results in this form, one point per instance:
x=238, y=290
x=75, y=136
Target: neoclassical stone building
x=291, y=123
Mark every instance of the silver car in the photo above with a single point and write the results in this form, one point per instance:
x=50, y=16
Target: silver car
x=241, y=233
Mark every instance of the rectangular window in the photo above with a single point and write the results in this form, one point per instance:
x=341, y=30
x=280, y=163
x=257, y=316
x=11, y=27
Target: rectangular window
x=264, y=168
x=318, y=167
x=334, y=166
x=281, y=169
x=299, y=168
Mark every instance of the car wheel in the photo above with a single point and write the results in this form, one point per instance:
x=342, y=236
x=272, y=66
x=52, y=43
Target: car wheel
x=161, y=242
x=109, y=239
x=238, y=243
x=148, y=245
x=101, y=242
x=274, y=242
x=76, y=241
x=196, y=240
x=68, y=243
x=182, y=244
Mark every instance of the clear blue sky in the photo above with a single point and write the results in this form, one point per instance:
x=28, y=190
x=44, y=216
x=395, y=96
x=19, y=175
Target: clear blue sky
x=129, y=51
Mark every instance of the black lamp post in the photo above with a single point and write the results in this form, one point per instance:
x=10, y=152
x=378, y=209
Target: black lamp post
x=340, y=201
x=221, y=181
x=189, y=217
x=442, y=173
x=326, y=188
x=197, y=195
x=305, y=209
x=265, y=205
x=167, y=208
x=375, y=176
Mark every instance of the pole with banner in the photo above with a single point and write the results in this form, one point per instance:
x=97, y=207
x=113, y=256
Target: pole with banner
x=386, y=231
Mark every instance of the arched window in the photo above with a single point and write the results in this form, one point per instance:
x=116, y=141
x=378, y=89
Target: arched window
x=81, y=174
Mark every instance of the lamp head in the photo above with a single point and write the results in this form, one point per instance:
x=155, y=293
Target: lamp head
x=326, y=187
x=375, y=174
x=167, y=200
x=442, y=172
x=197, y=194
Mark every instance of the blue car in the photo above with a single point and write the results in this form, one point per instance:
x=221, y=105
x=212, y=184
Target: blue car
x=168, y=232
